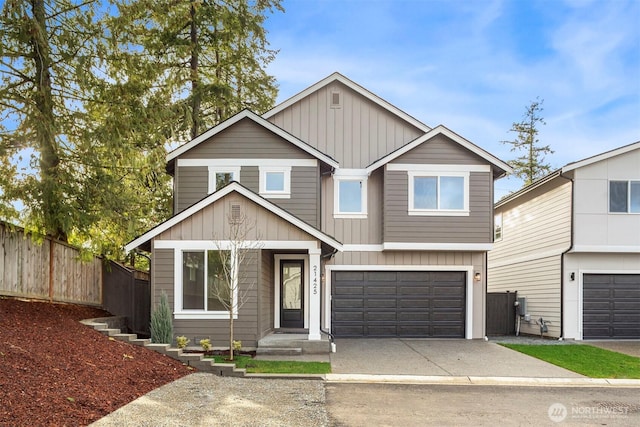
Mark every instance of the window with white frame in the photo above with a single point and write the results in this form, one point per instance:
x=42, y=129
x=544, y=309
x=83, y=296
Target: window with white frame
x=350, y=195
x=205, y=286
x=497, y=227
x=275, y=182
x=624, y=196
x=219, y=177
x=441, y=193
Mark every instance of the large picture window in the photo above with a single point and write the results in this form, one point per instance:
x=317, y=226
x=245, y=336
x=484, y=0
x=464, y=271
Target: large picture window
x=438, y=194
x=624, y=196
x=212, y=293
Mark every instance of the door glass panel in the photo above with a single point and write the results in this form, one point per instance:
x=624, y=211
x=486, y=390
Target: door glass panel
x=291, y=286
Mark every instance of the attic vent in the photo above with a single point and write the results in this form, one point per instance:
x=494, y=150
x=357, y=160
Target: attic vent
x=235, y=213
x=335, y=99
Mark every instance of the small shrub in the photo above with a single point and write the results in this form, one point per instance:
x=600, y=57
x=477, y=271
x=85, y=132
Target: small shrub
x=182, y=341
x=162, y=322
x=205, y=344
x=237, y=345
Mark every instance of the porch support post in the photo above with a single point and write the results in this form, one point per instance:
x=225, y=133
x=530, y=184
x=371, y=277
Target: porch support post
x=314, y=294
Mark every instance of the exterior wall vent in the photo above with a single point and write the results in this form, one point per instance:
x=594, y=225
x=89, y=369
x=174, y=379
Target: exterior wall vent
x=235, y=216
x=336, y=101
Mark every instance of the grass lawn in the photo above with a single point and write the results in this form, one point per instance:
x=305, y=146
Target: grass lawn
x=584, y=359
x=277, y=366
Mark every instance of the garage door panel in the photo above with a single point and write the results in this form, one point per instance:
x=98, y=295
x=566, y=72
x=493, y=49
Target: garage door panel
x=350, y=290
x=350, y=316
x=611, y=306
x=345, y=304
x=403, y=303
x=347, y=276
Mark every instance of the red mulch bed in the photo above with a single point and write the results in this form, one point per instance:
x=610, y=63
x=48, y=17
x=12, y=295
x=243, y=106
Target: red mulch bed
x=56, y=371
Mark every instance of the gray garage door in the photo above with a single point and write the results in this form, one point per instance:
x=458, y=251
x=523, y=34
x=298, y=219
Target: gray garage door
x=611, y=306
x=398, y=304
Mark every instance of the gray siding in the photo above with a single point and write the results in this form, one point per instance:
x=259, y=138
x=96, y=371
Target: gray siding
x=245, y=326
x=440, y=150
x=191, y=186
x=265, y=294
x=399, y=226
x=355, y=134
x=246, y=139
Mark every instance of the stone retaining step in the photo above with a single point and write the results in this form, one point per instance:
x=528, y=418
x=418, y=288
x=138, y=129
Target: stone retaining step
x=125, y=337
x=109, y=332
x=141, y=341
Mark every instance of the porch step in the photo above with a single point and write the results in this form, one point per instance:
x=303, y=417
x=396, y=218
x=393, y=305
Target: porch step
x=279, y=351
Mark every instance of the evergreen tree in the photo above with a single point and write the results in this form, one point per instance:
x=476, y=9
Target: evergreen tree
x=530, y=165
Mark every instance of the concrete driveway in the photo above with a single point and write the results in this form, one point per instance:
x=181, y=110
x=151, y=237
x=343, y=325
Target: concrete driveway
x=431, y=357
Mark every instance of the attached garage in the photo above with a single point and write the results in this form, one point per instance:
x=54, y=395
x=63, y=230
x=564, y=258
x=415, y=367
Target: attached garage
x=611, y=306
x=420, y=304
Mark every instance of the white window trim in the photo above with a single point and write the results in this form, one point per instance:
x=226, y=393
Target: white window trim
x=359, y=175
x=179, y=312
x=495, y=223
x=438, y=212
x=628, y=212
x=286, y=192
x=213, y=170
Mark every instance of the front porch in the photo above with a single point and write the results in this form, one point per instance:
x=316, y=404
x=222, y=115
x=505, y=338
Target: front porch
x=292, y=344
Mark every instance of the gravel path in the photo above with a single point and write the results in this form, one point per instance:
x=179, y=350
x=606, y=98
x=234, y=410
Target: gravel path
x=202, y=399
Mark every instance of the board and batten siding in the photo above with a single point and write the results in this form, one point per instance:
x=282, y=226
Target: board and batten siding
x=536, y=230
x=212, y=222
x=356, y=133
x=354, y=230
x=265, y=293
x=399, y=226
x=245, y=326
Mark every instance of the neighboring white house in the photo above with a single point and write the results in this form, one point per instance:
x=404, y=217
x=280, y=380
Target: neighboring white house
x=570, y=244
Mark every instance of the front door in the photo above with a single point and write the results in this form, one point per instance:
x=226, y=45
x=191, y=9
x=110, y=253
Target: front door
x=292, y=293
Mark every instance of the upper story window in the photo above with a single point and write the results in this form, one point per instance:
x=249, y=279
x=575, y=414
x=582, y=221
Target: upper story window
x=275, y=182
x=350, y=194
x=624, y=196
x=221, y=176
x=438, y=193
x=497, y=227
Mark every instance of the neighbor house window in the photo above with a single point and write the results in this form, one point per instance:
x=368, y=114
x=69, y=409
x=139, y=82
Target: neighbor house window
x=205, y=285
x=275, y=182
x=350, y=196
x=497, y=227
x=219, y=177
x=438, y=194
x=624, y=196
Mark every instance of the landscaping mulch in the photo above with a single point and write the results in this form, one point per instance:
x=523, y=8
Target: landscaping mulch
x=56, y=371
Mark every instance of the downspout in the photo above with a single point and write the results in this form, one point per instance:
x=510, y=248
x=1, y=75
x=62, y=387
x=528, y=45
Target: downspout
x=563, y=255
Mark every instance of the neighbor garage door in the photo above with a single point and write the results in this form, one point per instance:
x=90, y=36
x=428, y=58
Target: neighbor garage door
x=398, y=304
x=611, y=306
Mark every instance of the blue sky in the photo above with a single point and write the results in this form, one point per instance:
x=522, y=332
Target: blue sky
x=474, y=65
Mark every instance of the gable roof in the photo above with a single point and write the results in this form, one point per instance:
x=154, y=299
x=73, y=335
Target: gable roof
x=212, y=198
x=337, y=77
x=248, y=114
x=440, y=130
x=602, y=156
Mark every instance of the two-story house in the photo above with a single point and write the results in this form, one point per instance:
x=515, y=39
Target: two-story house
x=366, y=222
x=570, y=244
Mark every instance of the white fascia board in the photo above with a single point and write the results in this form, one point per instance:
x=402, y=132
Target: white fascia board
x=262, y=122
x=600, y=157
x=356, y=88
x=448, y=133
x=234, y=186
x=612, y=249
x=402, y=246
x=361, y=248
x=415, y=167
x=309, y=245
x=248, y=162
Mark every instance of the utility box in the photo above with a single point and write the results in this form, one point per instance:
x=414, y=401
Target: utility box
x=522, y=306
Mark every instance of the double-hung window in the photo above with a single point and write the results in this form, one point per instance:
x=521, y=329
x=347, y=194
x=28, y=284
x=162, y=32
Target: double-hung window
x=205, y=288
x=497, y=227
x=438, y=193
x=275, y=182
x=624, y=196
x=350, y=194
x=221, y=176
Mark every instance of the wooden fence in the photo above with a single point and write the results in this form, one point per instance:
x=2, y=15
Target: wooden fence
x=50, y=270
